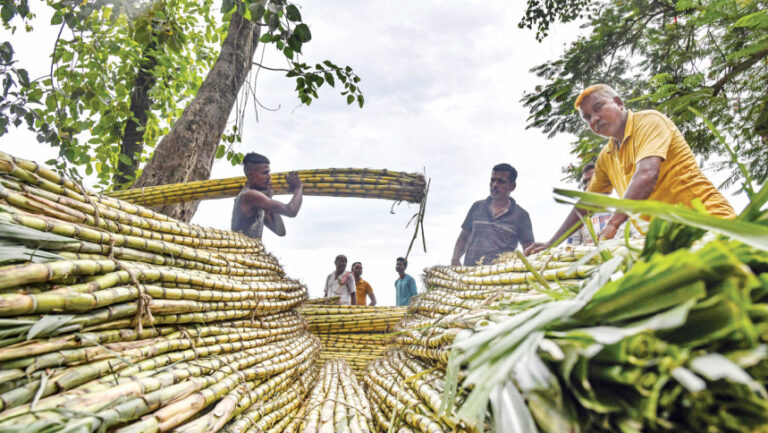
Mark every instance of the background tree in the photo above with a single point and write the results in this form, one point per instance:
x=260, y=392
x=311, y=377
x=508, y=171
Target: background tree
x=123, y=71
x=679, y=57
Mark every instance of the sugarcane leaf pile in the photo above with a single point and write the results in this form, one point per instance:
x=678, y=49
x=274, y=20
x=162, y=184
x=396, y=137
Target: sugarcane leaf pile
x=663, y=341
x=116, y=318
x=333, y=182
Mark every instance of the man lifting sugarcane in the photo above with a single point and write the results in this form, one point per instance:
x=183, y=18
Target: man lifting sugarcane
x=254, y=207
x=646, y=158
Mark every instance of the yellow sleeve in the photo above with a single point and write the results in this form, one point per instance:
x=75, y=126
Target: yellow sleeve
x=600, y=182
x=368, y=289
x=653, y=135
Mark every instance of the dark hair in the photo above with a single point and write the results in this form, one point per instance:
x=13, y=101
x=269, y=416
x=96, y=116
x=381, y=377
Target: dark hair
x=509, y=169
x=340, y=256
x=356, y=263
x=255, y=158
x=587, y=167
x=404, y=260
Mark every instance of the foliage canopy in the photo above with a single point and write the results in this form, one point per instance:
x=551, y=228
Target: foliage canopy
x=692, y=60
x=124, y=69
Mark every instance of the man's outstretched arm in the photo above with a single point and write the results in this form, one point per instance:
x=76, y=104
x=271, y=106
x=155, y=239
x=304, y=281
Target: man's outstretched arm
x=573, y=218
x=460, y=248
x=640, y=187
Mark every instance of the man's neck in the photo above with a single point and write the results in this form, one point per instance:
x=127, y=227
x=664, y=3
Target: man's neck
x=338, y=273
x=357, y=279
x=402, y=275
x=618, y=137
x=501, y=202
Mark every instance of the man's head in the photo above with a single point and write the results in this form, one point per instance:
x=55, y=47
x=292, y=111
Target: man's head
x=256, y=169
x=586, y=175
x=401, y=264
x=503, y=178
x=603, y=110
x=341, y=263
x=357, y=269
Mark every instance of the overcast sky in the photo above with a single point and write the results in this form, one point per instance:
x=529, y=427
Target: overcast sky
x=442, y=82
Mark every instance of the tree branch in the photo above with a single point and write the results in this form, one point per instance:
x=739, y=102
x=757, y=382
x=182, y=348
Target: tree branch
x=271, y=69
x=736, y=70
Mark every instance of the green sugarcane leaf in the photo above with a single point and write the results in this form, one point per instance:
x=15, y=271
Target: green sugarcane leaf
x=15, y=254
x=551, y=416
x=751, y=234
x=27, y=235
x=509, y=411
x=689, y=380
x=752, y=211
x=48, y=324
x=608, y=335
x=715, y=366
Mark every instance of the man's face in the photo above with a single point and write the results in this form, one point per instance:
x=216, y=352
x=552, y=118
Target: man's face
x=258, y=175
x=341, y=264
x=399, y=266
x=603, y=114
x=586, y=178
x=357, y=270
x=500, y=185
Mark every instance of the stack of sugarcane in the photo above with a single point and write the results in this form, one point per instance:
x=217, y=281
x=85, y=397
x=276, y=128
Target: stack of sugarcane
x=337, y=403
x=334, y=182
x=405, y=393
x=116, y=318
x=344, y=319
x=356, y=349
x=356, y=334
x=460, y=291
x=406, y=386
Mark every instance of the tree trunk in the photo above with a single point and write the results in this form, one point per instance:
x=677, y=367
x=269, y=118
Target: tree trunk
x=133, y=136
x=187, y=152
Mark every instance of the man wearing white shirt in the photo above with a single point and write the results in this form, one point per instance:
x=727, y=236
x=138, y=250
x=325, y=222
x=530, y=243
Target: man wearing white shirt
x=340, y=283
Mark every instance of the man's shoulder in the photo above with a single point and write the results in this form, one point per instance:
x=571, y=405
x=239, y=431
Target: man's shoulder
x=649, y=114
x=521, y=210
x=476, y=206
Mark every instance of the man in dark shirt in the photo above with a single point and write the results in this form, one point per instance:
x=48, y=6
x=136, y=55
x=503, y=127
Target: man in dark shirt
x=494, y=225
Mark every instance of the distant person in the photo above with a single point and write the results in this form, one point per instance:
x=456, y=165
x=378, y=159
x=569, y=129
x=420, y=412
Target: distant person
x=405, y=285
x=340, y=283
x=598, y=219
x=254, y=207
x=646, y=158
x=362, y=288
x=495, y=225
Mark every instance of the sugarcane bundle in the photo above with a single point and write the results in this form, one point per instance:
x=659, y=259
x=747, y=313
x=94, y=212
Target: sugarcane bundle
x=405, y=394
x=336, y=403
x=346, y=319
x=356, y=334
x=113, y=317
x=333, y=182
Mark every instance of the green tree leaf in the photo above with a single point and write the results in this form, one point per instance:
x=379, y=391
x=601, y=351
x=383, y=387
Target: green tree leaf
x=302, y=31
x=227, y=6
x=292, y=13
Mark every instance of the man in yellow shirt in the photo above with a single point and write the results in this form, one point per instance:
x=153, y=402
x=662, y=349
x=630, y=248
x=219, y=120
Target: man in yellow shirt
x=362, y=287
x=646, y=158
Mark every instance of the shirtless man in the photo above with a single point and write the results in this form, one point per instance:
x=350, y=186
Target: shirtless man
x=254, y=207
